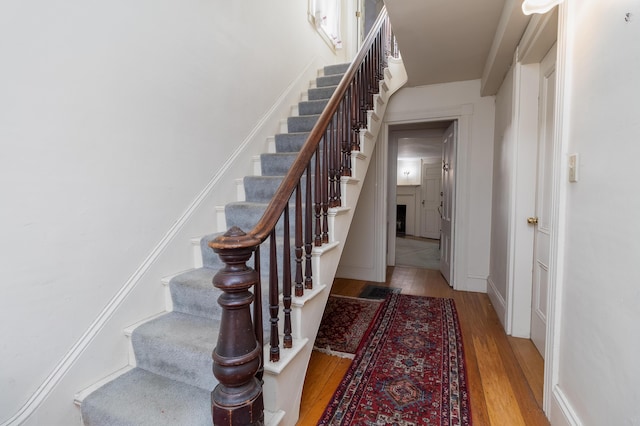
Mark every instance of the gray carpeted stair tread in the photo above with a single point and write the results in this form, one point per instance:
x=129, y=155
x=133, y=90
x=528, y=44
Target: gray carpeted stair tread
x=329, y=80
x=193, y=293
x=302, y=123
x=178, y=346
x=198, y=282
x=290, y=142
x=321, y=92
x=277, y=164
x=312, y=107
x=141, y=398
x=336, y=69
x=261, y=189
x=246, y=214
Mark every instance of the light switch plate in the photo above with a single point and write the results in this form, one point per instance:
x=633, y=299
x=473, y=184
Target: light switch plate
x=573, y=167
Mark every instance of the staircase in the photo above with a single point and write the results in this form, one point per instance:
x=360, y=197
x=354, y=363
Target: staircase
x=170, y=378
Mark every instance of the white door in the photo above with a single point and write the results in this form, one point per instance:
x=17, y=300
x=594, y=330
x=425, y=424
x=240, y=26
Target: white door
x=430, y=194
x=542, y=218
x=447, y=204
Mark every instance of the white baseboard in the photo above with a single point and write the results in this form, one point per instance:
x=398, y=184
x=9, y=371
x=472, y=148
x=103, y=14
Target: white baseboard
x=498, y=302
x=562, y=412
x=475, y=283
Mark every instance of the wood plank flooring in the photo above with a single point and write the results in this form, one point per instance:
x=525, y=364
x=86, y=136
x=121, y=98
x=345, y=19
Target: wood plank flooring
x=504, y=373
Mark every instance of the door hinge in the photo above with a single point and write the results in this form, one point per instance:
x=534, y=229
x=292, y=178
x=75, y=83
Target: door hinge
x=357, y=14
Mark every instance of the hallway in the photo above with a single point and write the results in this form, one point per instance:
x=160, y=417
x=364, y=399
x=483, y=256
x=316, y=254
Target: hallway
x=417, y=252
x=505, y=374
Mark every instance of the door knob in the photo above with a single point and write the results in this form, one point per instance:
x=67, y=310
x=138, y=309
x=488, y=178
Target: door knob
x=532, y=220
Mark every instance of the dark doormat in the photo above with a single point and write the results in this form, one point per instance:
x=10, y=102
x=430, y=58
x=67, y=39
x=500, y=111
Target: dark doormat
x=377, y=292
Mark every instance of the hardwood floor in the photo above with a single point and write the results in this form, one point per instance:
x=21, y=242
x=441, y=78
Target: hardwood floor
x=504, y=373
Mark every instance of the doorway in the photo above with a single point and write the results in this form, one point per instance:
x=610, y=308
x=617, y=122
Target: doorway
x=416, y=196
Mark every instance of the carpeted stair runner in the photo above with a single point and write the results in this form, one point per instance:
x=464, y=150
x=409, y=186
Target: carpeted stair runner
x=172, y=379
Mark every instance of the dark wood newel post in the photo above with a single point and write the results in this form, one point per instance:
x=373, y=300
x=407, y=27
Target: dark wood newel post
x=237, y=399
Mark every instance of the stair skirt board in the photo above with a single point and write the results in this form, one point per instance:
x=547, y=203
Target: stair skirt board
x=171, y=379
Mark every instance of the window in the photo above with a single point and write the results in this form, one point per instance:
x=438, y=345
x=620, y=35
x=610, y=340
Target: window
x=325, y=15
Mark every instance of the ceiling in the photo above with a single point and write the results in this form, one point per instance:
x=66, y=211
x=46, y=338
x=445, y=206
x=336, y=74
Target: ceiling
x=443, y=41
x=454, y=40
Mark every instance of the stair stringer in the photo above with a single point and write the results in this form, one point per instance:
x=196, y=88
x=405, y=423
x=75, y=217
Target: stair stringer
x=283, y=384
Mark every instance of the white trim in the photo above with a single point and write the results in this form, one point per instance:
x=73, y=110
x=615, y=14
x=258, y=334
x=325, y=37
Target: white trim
x=68, y=360
x=476, y=283
x=380, y=238
x=462, y=113
x=558, y=214
x=390, y=214
x=529, y=7
x=507, y=320
x=286, y=355
x=81, y=395
x=538, y=38
x=562, y=413
x=498, y=302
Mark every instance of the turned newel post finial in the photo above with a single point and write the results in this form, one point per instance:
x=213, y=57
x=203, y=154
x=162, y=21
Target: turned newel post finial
x=237, y=399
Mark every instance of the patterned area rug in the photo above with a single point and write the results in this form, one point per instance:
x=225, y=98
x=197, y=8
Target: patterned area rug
x=344, y=323
x=409, y=370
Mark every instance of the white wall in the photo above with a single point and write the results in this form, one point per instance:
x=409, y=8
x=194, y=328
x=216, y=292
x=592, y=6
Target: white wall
x=462, y=101
x=503, y=173
x=358, y=260
x=599, y=338
x=114, y=118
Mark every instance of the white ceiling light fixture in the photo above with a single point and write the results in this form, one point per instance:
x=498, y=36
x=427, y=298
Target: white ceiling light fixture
x=530, y=7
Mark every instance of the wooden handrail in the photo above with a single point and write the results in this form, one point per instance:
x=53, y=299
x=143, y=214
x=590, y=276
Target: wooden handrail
x=324, y=158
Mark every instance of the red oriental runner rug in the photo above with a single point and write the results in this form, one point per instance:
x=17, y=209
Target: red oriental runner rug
x=344, y=323
x=409, y=369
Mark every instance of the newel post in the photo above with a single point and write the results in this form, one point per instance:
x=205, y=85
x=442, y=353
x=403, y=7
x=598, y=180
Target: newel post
x=237, y=399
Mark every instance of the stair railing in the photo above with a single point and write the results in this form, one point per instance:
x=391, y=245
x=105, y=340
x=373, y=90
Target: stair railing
x=315, y=178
